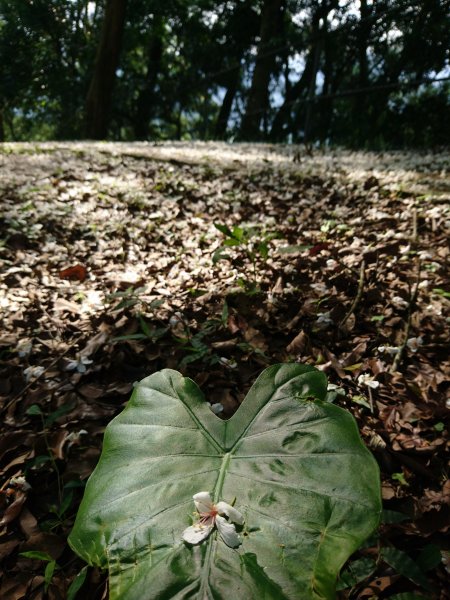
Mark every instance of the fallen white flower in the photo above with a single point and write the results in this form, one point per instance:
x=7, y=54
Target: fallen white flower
x=210, y=516
x=32, y=373
x=399, y=302
x=23, y=348
x=79, y=364
x=323, y=320
x=20, y=482
x=414, y=343
x=388, y=349
x=365, y=379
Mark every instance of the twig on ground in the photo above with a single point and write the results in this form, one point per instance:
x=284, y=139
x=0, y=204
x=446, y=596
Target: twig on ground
x=414, y=235
x=358, y=294
x=412, y=302
x=33, y=381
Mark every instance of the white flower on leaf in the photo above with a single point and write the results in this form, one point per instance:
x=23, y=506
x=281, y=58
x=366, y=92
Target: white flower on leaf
x=210, y=516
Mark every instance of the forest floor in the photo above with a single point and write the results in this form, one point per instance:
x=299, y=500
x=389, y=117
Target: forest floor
x=113, y=267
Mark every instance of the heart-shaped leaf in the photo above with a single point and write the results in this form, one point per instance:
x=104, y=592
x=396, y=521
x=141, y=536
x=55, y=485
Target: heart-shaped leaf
x=307, y=487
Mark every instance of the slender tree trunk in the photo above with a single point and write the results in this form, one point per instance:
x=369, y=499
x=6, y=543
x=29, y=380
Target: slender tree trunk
x=146, y=95
x=2, y=127
x=258, y=100
x=326, y=101
x=99, y=97
x=298, y=91
x=304, y=117
x=283, y=116
x=363, y=78
x=312, y=93
x=225, y=109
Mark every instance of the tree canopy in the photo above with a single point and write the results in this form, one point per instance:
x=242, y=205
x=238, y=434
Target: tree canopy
x=365, y=74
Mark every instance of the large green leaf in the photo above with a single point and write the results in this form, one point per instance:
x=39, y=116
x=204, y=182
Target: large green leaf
x=308, y=489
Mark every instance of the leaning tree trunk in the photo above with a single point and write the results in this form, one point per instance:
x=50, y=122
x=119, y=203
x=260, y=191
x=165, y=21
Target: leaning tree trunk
x=225, y=109
x=281, y=122
x=99, y=97
x=258, y=100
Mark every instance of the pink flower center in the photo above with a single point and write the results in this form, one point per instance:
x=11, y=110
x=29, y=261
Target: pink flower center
x=209, y=517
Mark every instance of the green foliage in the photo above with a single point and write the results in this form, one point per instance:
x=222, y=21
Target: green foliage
x=251, y=242
x=405, y=565
x=357, y=571
x=294, y=464
x=77, y=584
x=50, y=567
x=185, y=66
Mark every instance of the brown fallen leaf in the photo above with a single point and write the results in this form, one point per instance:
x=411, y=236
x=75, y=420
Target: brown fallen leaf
x=13, y=510
x=225, y=345
x=75, y=273
x=14, y=588
x=299, y=344
x=45, y=542
x=256, y=339
x=28, y=523
x=236, y=323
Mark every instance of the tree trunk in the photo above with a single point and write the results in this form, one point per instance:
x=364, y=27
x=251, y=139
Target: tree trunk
x=312, y=93
x=225, y=109
x=146, y=95
x=99, y=97
x=2, y=127
x=363, y=78
x=326, y=98
x=258, y=100
x=306, y=82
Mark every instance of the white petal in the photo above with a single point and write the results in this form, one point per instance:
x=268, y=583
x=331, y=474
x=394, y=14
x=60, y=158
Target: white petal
x=234, y=515
x=227, y=532
x=203, y=502
x=197, y=533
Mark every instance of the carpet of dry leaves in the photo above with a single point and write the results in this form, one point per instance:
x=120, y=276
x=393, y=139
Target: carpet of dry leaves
x=112, y=268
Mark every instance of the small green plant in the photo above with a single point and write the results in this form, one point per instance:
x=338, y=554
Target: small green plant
x=194, y=344
x=284, y=491
x=65, y=497
x=133, y=298
x=128, y=298
x=50, y=567
x=252, y=242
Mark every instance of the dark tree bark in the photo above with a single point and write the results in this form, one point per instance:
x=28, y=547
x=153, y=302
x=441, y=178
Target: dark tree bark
x=258, y=100
x=326, y=98
x=363, y=77
x=312, y=92
x=99, y=97
x=2, y=127
x=145, y=101
x=225, y=109
x=304, y=89
x=283, y=116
